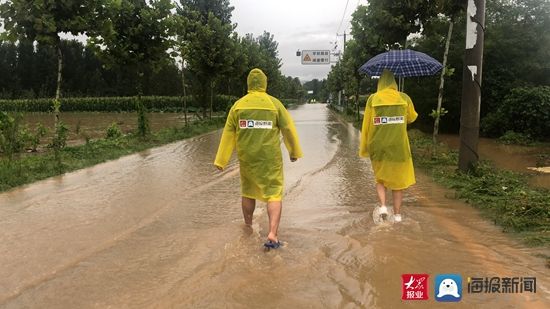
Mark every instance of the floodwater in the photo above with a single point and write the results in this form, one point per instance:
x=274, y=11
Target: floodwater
x=163, y=229
x=94, y=125
x=516, y=158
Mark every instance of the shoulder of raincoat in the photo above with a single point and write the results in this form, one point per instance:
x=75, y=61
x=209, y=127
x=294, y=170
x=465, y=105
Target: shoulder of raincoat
x=384, y=134
x=254, y=126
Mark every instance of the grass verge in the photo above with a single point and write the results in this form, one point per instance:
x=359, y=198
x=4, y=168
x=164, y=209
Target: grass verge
x=34, y=167
x=503, y=196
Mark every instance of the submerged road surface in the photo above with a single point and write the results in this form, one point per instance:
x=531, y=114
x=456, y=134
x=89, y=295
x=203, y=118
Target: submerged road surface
x=163, y=229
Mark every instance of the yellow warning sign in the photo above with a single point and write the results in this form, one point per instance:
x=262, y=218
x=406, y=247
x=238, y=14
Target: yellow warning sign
x=315, y=56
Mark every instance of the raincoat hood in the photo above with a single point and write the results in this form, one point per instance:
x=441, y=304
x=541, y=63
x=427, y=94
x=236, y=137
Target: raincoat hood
x=386, y=81
x=387, y=93
x=257, y=81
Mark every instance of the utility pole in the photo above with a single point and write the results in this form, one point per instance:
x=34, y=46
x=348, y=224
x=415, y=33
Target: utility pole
x=344, y=35
x=340, y=92
x=471, y=85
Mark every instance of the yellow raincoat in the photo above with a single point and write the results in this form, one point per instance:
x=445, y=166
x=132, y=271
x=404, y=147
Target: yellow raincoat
x=384, y=134
x=253, y=126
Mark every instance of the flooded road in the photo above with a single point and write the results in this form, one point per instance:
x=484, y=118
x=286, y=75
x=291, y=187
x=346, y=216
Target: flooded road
x=163, y=229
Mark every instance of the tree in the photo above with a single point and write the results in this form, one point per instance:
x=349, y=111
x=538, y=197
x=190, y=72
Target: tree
x=8, y=63
x=136, y=35
x=451, y=11
x=208, y=44
x=394, y=20
x=44, y=21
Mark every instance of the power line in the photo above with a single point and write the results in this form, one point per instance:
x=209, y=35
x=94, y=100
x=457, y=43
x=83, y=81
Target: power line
x=343, y=15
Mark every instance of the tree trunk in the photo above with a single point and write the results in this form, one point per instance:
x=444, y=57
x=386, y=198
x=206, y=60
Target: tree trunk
x=471, y=85
x=211, y=97
x=57, y=102
x=184, y=95
x=442, y=82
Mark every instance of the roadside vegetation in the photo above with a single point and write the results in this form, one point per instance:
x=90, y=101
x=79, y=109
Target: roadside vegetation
x=22, y=168
x=503, y=196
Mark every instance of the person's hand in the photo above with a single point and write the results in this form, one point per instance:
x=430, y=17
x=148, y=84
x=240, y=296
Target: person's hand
x=293, y=159
x=219, y=168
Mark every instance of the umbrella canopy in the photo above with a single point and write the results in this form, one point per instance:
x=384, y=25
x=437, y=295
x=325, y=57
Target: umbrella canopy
x=402, y=63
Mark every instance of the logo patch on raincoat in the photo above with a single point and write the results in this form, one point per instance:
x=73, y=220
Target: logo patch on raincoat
x=387, y=120
x=255, y=124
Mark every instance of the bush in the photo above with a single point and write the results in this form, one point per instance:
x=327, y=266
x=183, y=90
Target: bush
x=11, y=141
x=113, y=131
x=511, y=137
x=525, y=110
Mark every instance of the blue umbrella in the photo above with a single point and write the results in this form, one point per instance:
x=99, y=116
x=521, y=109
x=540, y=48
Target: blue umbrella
x=402, y=63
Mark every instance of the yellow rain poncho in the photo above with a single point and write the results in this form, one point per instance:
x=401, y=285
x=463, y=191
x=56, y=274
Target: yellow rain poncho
x=253, y=126
x=384, y=134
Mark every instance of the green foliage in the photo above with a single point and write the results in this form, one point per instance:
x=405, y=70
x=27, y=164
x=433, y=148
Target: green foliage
x=44, y=164
x=44, y=20
x=11, y=141
x=113, y=131
x=435, y=114
x=59, y=140
x=56, y=105
x=33, y=139
x=134, y=33
x=525, y=110
x=504, y=196
x=111, y=104
x=511, y=137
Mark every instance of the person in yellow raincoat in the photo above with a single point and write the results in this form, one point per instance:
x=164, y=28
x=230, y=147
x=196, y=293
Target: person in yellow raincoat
x=254, y=125
x=384, y=140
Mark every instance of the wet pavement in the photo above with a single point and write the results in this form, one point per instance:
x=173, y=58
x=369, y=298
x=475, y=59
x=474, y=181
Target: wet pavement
x=163, y=229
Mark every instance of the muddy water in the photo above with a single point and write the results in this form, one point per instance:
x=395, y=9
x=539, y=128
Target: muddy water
x=94, y=125
x=162, y=229
x=511, y=157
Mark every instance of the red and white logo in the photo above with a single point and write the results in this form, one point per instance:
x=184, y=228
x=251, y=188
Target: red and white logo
x=414, y=286
x=242, y=123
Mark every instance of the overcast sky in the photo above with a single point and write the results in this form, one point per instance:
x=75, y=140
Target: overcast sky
x=296, y=24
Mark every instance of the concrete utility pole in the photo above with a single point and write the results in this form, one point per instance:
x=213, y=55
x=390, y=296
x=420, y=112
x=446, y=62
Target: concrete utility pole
x=471, y=85
x=340, y=92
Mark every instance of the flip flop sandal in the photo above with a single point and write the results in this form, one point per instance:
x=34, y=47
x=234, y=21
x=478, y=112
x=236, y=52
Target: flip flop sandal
x=272, y=245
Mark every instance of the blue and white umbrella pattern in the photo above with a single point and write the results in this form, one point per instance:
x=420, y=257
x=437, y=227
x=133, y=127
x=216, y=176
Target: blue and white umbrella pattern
x=402, y=63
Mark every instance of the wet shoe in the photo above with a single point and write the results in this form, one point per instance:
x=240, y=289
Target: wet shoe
x=272, y=245
x=397, y=218
x=383, y=211
x=380, y=214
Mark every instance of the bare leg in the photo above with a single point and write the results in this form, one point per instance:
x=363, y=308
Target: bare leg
x=381, y=190
x=248, y=205
x=274, y=210
x=397, y=200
